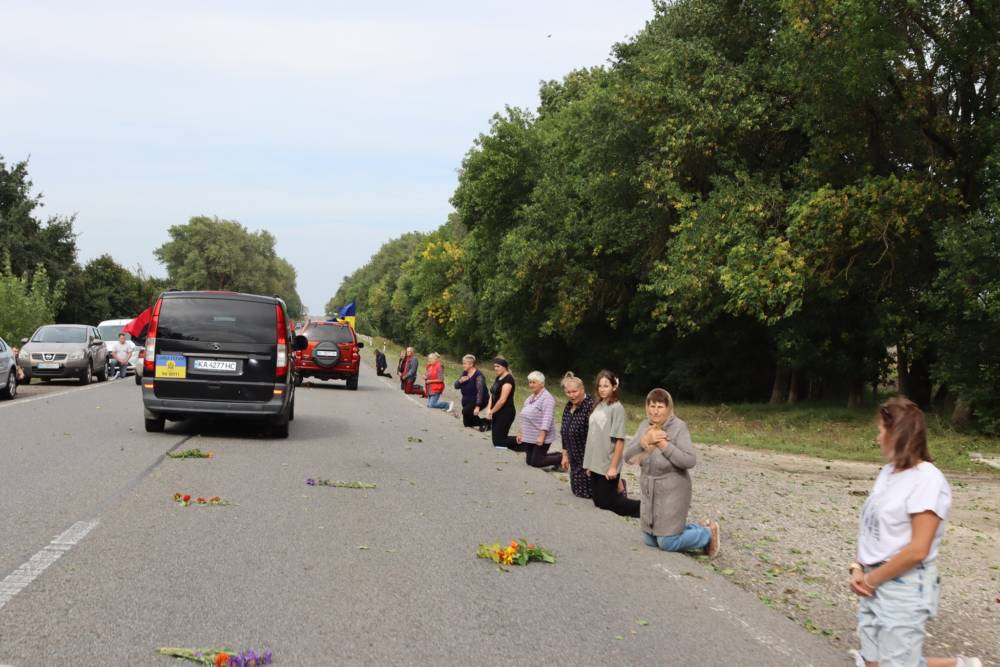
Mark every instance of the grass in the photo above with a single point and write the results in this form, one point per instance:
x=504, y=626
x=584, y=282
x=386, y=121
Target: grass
x=815, y=429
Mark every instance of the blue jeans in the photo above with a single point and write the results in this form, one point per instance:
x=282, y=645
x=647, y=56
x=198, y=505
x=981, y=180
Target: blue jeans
x=118, y=368
x=891, y=622
x=693, y=537
x=434, y=401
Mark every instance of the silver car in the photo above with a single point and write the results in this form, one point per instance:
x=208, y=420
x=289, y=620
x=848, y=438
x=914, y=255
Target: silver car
x=64, y=351
x=8, y=371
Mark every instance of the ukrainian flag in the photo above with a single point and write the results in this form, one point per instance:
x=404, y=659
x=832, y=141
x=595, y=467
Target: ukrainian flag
x=348, y=314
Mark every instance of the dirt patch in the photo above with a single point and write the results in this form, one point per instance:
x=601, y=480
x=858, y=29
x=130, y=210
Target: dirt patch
x=789, y=526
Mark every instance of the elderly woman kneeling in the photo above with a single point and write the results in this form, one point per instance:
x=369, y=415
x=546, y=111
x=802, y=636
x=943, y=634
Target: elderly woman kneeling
x=663, y=450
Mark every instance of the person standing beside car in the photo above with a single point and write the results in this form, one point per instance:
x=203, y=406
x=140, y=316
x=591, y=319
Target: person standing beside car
x=121, y=352
x=472, y=384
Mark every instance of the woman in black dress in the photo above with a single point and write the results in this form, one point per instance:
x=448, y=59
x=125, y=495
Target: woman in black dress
x=501, y=406
x=573, y=433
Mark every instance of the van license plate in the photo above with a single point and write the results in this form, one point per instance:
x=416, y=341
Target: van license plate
x=216, y=365
x=48, y=365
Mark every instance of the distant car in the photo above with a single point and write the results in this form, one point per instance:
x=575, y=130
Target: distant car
x=109, y=332
x=8, y=371
x=64, y=351
x=219, y=353
x=332, y=353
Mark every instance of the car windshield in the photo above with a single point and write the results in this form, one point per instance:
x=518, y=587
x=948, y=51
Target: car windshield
x=109, y=332
x=57, y=334
x=217, y=320
x=329, y=333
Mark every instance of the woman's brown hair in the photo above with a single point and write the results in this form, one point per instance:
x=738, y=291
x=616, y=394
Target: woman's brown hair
x=613, y=379
x=907, y=433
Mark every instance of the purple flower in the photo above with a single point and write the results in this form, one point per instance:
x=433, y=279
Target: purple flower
x=265, y=659
x=250, y=658
x=235, y=661
x=311, y=482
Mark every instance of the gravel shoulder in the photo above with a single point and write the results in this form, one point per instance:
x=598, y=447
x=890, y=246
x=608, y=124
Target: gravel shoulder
x=789, y=526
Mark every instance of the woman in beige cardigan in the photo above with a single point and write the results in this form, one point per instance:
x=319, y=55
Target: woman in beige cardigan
x=663, y=450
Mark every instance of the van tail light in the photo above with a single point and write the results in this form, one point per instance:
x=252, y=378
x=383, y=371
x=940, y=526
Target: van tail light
x=149, y=362
x=281, y=356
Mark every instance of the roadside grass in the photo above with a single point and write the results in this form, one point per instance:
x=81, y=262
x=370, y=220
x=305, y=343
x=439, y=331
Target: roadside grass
x=820, y=430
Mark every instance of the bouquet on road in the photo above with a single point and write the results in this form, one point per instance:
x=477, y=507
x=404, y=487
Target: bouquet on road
x=518, y=552
x=218, y=657
x=190, y=454
x=185, y=500
x=340, y=485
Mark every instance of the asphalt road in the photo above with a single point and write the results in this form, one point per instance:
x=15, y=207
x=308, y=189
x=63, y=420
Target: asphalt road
x=328, y=576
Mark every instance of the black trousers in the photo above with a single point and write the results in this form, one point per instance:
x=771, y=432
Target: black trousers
x=469, y=419
x=501, y=428
x=537, y=456
x=606, y=496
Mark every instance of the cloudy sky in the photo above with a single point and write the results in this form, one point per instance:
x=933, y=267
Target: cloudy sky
x=334, y=125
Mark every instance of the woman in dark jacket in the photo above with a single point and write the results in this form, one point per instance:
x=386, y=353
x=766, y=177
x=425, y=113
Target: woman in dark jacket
x=573, y=433
x=472, y=384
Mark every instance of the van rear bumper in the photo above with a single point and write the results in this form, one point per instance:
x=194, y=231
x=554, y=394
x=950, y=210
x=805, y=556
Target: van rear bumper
x=178, y=407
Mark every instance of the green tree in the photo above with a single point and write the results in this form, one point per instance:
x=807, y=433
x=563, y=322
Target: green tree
x=27, y=241
x=26, y=303
x=214, y=254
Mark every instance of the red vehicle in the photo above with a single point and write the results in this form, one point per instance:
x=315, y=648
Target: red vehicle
x=332, y=353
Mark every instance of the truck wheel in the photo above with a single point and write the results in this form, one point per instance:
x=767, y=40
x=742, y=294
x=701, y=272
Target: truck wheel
x=279, y=427
x=298, y=380
x=352, y=383
x=155, y=425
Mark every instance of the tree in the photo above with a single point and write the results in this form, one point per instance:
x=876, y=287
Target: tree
x=105, y=290
x=26, y=303
x=214, y=254
x=23, y=238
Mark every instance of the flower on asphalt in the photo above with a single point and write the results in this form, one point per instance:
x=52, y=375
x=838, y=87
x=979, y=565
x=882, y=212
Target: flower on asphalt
x=311, y=482
x=201, y=501
x=186, y=498
x=221, y=659
x=265, y=659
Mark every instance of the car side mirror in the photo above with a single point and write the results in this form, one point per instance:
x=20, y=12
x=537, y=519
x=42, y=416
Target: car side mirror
x=24, y=341
x=360, y=345
x=301, y=342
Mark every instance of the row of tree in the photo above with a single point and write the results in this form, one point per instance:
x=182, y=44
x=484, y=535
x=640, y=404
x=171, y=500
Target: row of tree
x=760, y=200
x=41, y=280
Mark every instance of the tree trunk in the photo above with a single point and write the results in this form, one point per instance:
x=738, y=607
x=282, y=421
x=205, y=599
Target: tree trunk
x=919, y=381
x=856, y=393
x=962, y=414
x=795, y=387
x=779, y=390
x=903, y=370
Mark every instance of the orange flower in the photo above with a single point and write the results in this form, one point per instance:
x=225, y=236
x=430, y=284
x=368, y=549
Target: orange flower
x=201, y=501
x=209, y=455
x=513, y=544
x=221, y=659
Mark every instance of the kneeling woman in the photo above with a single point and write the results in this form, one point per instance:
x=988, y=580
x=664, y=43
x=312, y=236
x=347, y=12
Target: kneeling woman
x=663, y=450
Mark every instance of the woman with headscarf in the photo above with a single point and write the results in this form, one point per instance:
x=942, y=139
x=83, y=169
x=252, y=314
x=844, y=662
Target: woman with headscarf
x=663, y=450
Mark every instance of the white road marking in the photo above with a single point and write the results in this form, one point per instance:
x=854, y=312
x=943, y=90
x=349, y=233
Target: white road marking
x=20, y=578
x=24, y=401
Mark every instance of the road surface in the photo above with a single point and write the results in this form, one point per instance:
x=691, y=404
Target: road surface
x=99, y=566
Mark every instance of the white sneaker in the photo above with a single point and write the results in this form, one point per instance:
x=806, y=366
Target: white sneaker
x=451, y=407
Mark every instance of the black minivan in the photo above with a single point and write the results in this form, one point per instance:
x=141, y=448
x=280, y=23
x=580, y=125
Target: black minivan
x=220, y=353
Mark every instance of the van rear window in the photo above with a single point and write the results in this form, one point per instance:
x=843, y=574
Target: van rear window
x=217, y=320
x=329, y=333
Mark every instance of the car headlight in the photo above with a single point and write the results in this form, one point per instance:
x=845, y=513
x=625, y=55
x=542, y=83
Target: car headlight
x=23, y=355
x=75, y=356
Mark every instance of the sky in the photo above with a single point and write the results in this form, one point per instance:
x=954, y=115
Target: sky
x=334, y=125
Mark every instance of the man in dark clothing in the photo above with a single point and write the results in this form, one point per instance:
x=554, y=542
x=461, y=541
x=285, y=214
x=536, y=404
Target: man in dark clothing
x=411, y=373
x=381, y=364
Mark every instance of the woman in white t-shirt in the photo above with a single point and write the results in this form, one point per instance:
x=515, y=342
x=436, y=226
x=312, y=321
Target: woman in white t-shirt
x=895, y=575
